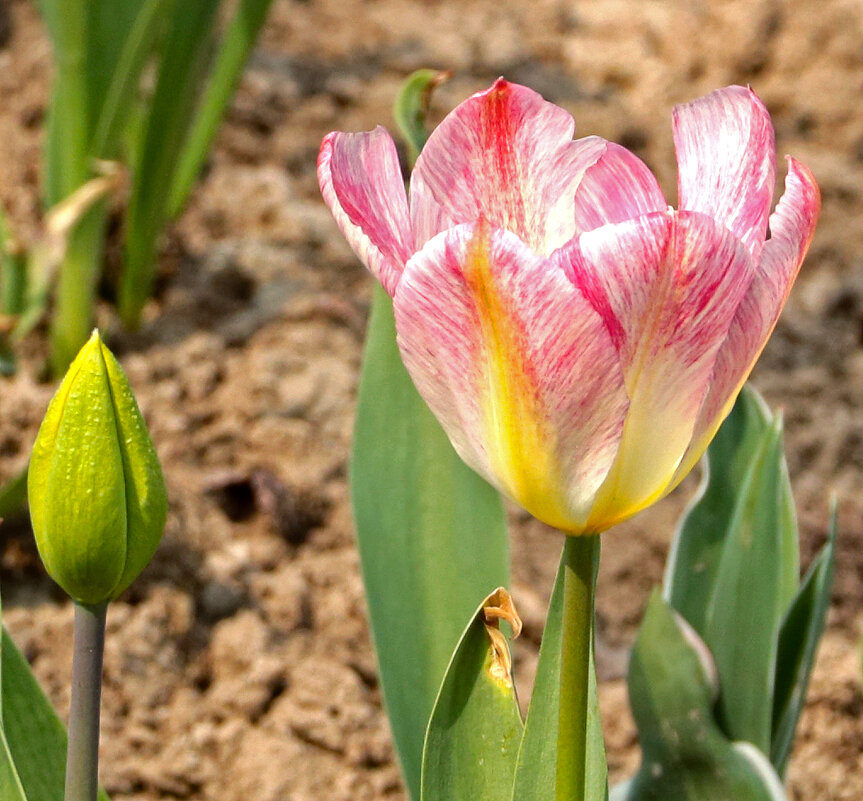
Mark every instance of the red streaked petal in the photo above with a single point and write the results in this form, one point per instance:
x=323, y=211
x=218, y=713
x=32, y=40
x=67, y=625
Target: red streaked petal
x=507, y=156
x=361, y=182
x=618, y=187
x=726, y=161
x=792, y=227
x=517, y=367
x=667, y=285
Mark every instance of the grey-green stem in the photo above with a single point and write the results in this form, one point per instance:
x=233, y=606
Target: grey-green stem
x=581, y=555
x=82, y=755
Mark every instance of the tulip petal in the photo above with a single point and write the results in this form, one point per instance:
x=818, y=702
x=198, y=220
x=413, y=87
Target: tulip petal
x=727, y=161
x=792, y=227
x=516, y=365
x=667, y=285
x=618, y=187
x=505, y=155
x=361, y=182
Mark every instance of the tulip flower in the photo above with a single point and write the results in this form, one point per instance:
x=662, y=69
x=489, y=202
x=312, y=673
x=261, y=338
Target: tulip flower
x=579, y=340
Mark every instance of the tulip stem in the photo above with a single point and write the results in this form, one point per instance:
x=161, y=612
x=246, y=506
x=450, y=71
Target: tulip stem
x=580, y=560
x=82, y=756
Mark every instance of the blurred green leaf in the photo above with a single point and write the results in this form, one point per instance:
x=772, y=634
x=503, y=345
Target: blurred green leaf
x=694, y=559
x=13, y=495
x=121, y=91
x=475, y=729
x=432, y=537
x=685, y=755
x=798, y=644
x=747, y=603
x=536, y=775
x=412, y=105
x=181, y=68
x=234, y=50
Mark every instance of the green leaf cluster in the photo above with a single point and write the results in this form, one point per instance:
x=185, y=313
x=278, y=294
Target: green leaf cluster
x=732, y=596
x=106, y=54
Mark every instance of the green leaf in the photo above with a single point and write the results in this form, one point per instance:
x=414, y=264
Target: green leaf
x=11, y=788
x=183, y=61
x=536, y=775
x=412, y=105
x=685, y=755
x=234, y=51
x=432, y=537
x=475, y=729
x=13, y=495
x=798, y=643
x=694, y=559
x=121, y=92
x=748, y=599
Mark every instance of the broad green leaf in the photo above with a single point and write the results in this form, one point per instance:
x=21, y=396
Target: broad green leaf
x=432, y=537
x=536, y=776
x=798, y=643
x=747, y=604
x=694, y=558
x=181, y=68
x=412, y=105
x=35, y=735
x=685, y=755
x=475, y=729
x=11, y=788
x=234, y=51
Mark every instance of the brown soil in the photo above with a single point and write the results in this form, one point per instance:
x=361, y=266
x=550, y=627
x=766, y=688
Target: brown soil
x=239, y=666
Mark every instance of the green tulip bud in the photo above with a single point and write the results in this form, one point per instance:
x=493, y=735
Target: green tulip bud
x=96, y=492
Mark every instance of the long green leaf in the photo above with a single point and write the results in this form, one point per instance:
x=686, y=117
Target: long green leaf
x=747, y=604
x=234, y=51
x=536, y=775
x=798, y=644
x=475, y=729
x=11, y=788
x=685, y=755
x=183, y=60
x=432, y=537
x=694, y=559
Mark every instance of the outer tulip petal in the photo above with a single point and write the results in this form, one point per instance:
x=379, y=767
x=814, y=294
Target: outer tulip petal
x=516, y=365
x=668, y=285
x=505, y=155
x=361, y=182
x=727, y=161
x=792, y=227
x=618, y=187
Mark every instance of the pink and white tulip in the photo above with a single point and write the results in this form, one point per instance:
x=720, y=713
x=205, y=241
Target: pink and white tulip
x=579, y=340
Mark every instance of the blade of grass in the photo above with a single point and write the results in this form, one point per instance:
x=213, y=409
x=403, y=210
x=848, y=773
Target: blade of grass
x=234, y=51
x=182, y=63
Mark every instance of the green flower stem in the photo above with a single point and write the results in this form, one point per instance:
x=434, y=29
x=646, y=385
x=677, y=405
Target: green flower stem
x=82, y=756
x=581, y=555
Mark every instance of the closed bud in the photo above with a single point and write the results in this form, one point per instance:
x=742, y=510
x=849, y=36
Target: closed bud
x=96, y=492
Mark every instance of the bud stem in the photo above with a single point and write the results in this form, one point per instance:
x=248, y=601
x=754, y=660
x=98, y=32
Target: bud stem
x=82, y=756
x=581, y=556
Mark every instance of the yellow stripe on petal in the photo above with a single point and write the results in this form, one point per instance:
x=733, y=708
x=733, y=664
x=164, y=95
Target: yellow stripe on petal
x=520, y=441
